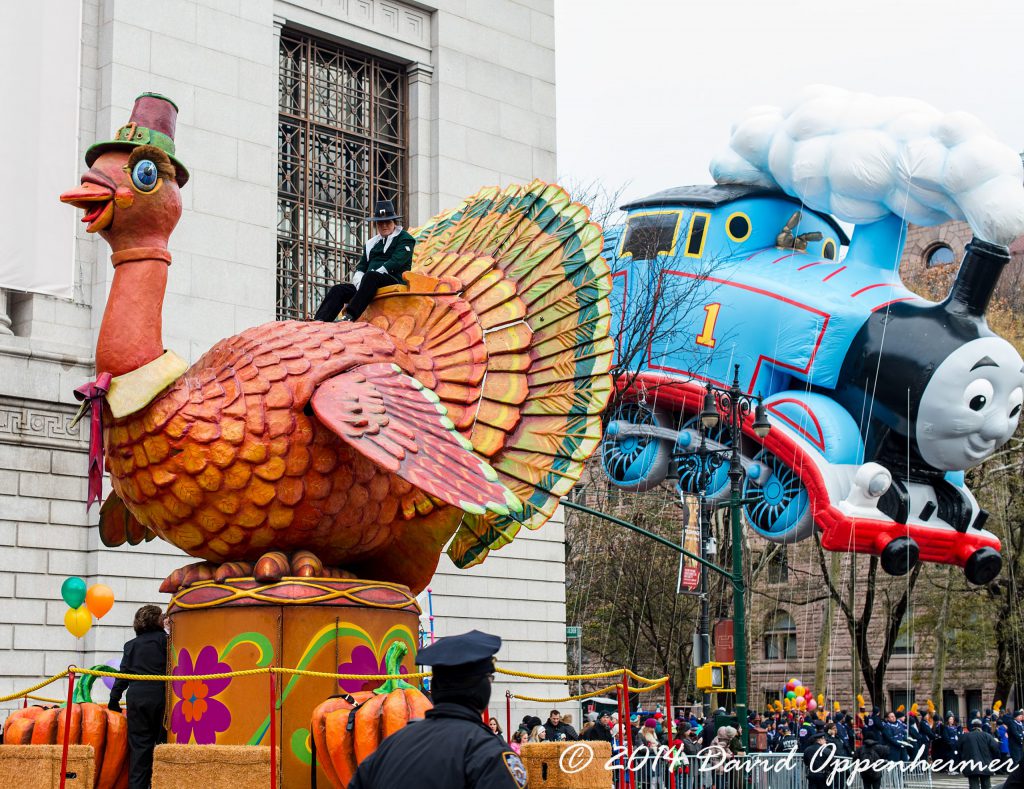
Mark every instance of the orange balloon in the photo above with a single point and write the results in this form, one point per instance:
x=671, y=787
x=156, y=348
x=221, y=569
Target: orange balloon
x=99, y=599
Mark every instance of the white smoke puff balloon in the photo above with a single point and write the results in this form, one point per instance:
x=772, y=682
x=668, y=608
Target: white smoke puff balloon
x=862, y=157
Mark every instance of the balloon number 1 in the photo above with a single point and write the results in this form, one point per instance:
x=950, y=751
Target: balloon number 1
x=84, y=602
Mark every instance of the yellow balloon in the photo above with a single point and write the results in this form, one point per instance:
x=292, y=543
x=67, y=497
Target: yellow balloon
x=78, y=621
x=799, y=690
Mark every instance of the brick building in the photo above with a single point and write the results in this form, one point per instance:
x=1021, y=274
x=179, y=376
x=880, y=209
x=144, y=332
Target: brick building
x=294, y=116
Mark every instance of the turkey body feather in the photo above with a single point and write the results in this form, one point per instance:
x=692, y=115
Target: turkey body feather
x=313, y=436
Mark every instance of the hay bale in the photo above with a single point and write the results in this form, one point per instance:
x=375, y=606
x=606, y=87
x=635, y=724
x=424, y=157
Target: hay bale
x=38, y=766
x=543, y=762
x=192, y=766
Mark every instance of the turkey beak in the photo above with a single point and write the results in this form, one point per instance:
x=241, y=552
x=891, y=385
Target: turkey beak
x=96, y=197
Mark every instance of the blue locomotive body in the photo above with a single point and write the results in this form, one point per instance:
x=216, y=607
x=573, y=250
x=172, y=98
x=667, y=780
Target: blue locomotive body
x=709, y=279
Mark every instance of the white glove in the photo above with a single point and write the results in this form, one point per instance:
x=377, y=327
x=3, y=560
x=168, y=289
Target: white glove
x=381, y=270
x=357, y=278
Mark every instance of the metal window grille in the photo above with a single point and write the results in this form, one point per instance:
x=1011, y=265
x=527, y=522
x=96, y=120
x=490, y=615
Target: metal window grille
x=341, y=146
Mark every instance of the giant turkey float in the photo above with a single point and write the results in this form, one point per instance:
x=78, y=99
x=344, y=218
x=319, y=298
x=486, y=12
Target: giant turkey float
x=318, y=470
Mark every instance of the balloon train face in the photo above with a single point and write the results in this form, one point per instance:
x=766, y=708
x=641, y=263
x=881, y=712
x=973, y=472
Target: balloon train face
x=878, y=400
x=971, y=405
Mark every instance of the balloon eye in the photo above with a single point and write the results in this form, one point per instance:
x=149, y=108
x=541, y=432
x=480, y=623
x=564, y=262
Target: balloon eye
x=144, y=175
x=1014, y=413
x=978, y=393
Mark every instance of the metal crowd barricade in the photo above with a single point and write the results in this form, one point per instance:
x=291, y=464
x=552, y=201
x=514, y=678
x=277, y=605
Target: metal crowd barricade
x=764, y=771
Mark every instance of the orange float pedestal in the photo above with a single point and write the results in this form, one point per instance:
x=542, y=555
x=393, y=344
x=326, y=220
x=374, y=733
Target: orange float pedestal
x=312, y=624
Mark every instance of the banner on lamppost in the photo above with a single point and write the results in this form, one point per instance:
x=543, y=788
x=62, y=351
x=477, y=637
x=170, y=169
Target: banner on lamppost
x=690, y=569
x=724, y=645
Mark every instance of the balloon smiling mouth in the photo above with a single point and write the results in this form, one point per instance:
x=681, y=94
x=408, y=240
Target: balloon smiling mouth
x=94, y=197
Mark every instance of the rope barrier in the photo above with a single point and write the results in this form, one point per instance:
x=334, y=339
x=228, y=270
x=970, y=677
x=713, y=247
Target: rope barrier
x=43, y=684
x=652, y=684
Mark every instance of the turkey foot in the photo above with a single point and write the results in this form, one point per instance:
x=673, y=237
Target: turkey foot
x=276, y=565
x=269, y=568
x=188, y=575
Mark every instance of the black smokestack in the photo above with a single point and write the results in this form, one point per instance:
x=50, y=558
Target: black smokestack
x=977, y=278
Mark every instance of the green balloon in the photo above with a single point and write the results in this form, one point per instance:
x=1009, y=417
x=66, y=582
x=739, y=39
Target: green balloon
x=73, y=591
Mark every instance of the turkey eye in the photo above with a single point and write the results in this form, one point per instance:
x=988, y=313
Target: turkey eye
x=144, y=175
x=977, y=402
x=1016, y=398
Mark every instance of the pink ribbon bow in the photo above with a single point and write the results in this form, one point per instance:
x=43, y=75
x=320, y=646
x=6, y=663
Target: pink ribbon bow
x=91, y=395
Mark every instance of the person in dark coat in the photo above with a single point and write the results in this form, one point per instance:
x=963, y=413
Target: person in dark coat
x=144, y=654
x=950, y=738
x=978, y=750
x=1015, y=735
x=386, y=256
x=872, y=751
x=832, y=737
x=600, y=731
x=924, y=727
x=452, y=746
x=1015, y=780
x=816, y=760
x=556, y=729
x=892, y=735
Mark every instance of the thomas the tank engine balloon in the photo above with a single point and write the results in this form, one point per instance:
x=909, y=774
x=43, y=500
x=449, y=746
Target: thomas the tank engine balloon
x=879, y=400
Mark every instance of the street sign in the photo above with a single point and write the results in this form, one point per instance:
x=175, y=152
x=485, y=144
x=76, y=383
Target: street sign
x=573, y=632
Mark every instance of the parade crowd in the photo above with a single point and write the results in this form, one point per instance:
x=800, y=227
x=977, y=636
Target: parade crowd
x=988, y=740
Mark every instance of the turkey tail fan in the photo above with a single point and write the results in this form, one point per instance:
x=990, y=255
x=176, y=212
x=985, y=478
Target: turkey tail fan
x=527, y=262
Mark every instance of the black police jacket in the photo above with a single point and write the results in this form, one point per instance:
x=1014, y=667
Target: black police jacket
x=144, y=654
x=396, y=259
x=450, y=749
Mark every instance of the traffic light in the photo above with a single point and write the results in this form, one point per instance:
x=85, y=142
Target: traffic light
x=712, y=677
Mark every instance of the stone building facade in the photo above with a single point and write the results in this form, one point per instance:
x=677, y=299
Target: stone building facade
x=476, y=87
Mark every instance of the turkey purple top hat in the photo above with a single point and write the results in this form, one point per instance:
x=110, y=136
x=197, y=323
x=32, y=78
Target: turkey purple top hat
x=152, y=122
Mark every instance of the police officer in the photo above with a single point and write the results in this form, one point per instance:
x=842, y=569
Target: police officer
x=451, y=747
x=386, y=256
x=144, y=654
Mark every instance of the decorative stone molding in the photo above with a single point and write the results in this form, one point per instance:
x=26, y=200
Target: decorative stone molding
x=390, y=18
x=48, y=425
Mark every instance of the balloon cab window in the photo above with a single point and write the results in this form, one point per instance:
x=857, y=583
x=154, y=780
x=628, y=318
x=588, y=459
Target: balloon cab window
x=651, y=234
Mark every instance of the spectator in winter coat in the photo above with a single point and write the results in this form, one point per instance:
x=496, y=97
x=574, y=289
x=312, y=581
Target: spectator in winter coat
x=600, y=731
x=557, y=729
x=872, y=751
x=832, y=737
x=978, y=750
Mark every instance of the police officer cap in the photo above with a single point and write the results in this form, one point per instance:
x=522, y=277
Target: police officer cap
x=467, y=654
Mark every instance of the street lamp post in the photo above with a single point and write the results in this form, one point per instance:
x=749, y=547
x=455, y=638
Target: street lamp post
x=731, y=407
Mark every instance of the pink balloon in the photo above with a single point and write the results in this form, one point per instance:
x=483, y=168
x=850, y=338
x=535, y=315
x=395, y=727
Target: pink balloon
x=812, y=705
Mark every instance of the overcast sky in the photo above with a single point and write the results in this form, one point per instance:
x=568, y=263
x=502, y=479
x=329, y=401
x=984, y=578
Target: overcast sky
x=647, y=89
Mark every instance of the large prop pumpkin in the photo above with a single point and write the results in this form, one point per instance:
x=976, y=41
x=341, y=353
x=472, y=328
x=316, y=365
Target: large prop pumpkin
x=91, y=724
x=347, y=729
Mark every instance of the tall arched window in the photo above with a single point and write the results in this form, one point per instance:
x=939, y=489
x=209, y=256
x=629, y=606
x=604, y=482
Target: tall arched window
x=341, y=147
x=780, y=638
